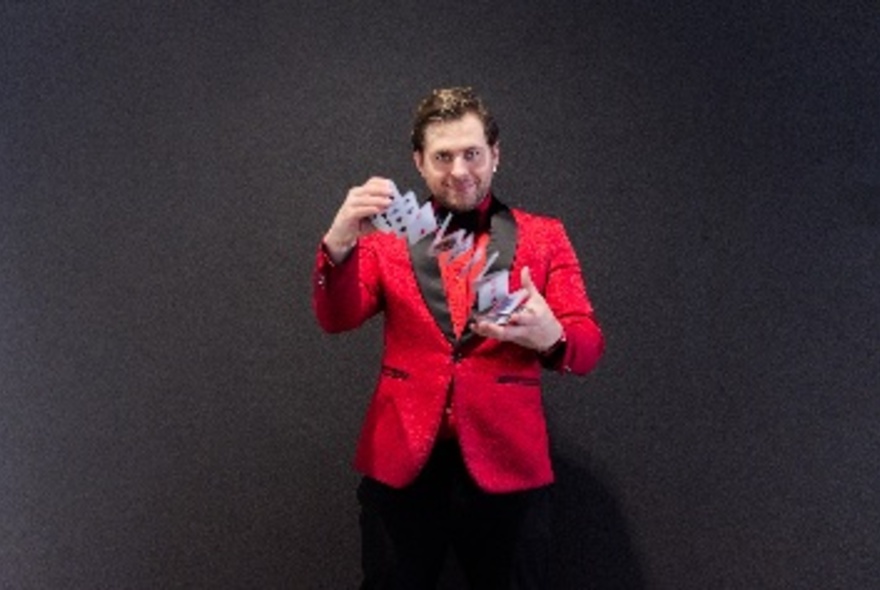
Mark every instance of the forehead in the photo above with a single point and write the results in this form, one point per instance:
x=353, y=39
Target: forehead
x=454, y=135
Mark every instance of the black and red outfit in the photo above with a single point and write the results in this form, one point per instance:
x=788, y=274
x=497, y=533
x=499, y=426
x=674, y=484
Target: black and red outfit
x=477, y=481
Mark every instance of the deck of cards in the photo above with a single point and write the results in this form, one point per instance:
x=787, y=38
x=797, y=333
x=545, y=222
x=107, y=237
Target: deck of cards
x=501, y=310
x=407, y=220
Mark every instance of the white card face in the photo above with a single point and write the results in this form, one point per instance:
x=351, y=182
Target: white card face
x=422, y=224
x=382, y=221
x=492, y=289
x=401, y=212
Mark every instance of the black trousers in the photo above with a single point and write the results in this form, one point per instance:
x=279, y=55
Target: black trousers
x=501, y=541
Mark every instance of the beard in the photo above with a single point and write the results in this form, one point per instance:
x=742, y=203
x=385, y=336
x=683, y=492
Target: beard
x=461, y=199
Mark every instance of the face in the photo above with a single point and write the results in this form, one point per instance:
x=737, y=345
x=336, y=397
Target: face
x=457, y=163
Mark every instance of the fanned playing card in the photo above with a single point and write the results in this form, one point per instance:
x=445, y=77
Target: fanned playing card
x=491, y=289
x=401, y=213
x=407, y=220
x=381, y=220
x=500, y=312
x=422, y=224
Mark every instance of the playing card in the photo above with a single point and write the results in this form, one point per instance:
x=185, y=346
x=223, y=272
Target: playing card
x=491, y=289
x=382, y=221
x=476, y=258
x=486, y=267
x=462, y=242
x=500, y=312
x=401, y=213
x=422, y=224
x=442, y=242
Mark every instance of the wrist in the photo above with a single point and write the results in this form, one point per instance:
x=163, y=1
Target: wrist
x=339, y=246
x=555, y=347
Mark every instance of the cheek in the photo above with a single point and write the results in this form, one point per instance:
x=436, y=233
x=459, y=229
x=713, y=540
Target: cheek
x=433, y=175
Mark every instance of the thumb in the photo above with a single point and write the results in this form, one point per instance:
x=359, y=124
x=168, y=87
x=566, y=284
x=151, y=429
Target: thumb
x=525, y=278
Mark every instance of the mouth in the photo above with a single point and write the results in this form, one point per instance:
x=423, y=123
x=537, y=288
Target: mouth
x=463, y=187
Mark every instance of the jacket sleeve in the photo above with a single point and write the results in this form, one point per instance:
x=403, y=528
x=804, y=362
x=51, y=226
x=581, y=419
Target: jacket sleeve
x=347, y=294
x=566, y=295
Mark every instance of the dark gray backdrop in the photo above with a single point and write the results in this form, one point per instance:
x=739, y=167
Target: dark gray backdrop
x=170, y=414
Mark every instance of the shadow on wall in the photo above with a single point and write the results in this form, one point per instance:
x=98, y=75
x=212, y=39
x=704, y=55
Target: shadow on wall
x=594, y=550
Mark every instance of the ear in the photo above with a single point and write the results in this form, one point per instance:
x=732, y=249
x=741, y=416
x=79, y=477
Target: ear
x=419, y=161
x=496, y=153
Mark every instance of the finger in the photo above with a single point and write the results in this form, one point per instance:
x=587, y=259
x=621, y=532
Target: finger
x=522, y=317
x=525, y=278
x=363, y=207
x=375, y=187
x=487, y=329
x=512, y=332
x=361, y=193
x=369, y=205
x=379, y=186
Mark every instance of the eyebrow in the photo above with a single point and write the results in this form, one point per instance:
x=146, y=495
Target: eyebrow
x=465, y=149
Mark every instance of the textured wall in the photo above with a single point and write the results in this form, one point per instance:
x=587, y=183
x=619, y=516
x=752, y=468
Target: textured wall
x=170, y=414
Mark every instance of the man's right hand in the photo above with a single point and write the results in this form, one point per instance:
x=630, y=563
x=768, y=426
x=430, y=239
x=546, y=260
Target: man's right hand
x=353, y=218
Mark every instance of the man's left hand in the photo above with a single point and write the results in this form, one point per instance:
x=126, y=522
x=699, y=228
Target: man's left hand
x=533, y=325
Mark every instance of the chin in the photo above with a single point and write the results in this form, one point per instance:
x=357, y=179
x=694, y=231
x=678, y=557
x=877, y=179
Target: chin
x=461, y=202
x=462, y=206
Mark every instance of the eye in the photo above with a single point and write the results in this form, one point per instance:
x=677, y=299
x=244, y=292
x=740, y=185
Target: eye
x=472, y=154
x=443, y=157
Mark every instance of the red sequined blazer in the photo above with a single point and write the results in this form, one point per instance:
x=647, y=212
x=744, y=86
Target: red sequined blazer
x=496, y=386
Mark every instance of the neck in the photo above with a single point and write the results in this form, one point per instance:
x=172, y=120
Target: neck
x=471, y=220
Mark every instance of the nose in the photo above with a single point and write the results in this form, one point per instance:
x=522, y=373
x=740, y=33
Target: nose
x=459, y=166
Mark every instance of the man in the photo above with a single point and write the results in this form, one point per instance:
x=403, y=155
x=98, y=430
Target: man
x=454, y=448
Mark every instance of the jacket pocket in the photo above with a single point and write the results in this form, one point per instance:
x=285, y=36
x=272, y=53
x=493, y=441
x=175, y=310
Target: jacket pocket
x=394, y=373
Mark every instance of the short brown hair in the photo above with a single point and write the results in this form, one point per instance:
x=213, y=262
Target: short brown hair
x=449, y=104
